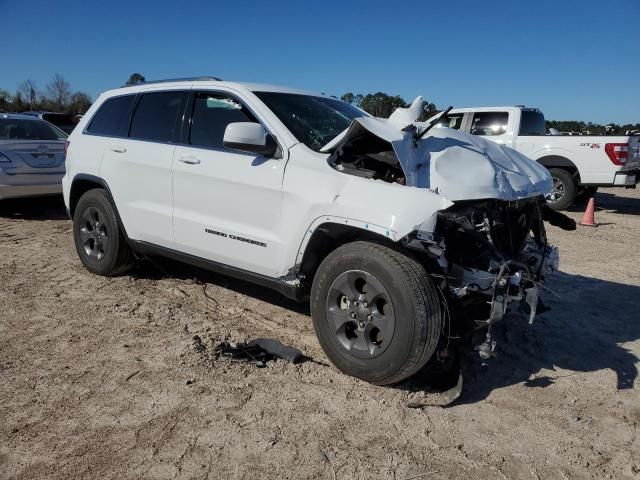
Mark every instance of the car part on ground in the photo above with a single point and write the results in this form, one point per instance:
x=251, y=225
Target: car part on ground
x=258, y=351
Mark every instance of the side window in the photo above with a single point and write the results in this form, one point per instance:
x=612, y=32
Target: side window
x=489, y=123
x=532, y=123
x=212, y=112
x=111, y=117
x=453, y=120
x=156, y=116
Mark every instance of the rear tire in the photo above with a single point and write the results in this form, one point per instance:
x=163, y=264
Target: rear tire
x=99, y=240
x=376, y=312
x=564, y=191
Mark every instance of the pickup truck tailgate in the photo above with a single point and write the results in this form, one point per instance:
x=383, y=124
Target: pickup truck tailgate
x=634, y=152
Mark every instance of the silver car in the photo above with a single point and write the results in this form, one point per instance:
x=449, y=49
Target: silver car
x=31, y=156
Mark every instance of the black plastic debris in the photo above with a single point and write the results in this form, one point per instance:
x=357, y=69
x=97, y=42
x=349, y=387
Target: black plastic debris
x=258, y=351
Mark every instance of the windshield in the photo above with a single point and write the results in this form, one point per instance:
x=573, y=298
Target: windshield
x=315, y=121
x=19, y=129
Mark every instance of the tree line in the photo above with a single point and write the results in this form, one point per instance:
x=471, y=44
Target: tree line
x=382, y=105
x=57, y=96
x=591, y=128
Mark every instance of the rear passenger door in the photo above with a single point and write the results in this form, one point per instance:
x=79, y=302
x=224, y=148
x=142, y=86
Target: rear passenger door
x=227, y=203
x=137, y=166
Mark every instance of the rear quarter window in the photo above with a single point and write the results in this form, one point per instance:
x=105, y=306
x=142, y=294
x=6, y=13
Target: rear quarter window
x=112, y=117
x=532, y=123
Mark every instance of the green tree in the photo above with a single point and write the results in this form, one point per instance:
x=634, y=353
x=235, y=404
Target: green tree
x=135, y=78
x=381, y=105
x=5, y=101
x=348, y=97
x=429, y=110
x=352, y=99
x=79, y=103
x=18, y=104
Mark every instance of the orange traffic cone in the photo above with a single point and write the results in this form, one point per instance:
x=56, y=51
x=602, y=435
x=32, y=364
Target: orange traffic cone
x=588, y=220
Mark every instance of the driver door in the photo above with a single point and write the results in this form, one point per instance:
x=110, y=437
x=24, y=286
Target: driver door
x=226, y=203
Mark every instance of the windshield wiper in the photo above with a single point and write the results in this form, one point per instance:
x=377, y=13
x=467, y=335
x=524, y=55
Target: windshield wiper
x=434, y=121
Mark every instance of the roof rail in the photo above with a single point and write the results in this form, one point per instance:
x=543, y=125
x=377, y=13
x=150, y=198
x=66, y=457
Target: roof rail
x=186, y=79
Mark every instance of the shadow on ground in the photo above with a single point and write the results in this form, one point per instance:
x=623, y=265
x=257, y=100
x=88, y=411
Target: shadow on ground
x=36, y=208
x=610, y=202
x=615, y=204
x=157, y=268
x=582, y=333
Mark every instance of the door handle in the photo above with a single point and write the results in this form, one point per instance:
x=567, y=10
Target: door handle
x=118, y=149
x=189, y=160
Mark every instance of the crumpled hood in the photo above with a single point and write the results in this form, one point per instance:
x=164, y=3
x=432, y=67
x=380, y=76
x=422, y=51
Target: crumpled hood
x=466, y=166
x=454, y=164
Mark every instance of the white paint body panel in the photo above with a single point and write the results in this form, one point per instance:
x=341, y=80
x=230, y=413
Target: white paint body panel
x=140, y=180
x=233, y=193
x=586, y=152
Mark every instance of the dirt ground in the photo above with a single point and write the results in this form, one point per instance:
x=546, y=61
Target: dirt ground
x=99, y=377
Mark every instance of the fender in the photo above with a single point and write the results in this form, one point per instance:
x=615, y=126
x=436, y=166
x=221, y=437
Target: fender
x=556, y=161
x=365, y=227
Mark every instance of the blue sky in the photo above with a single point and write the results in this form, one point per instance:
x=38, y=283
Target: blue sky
x=572, y=59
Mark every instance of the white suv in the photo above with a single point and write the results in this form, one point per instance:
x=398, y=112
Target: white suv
x=393, y=229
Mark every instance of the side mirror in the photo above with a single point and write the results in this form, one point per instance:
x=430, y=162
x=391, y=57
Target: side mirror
x=249, y=137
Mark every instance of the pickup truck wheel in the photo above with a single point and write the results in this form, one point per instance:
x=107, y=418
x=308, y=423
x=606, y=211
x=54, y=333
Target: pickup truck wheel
x=376, y=312
x=564, y=189
x=99, y=241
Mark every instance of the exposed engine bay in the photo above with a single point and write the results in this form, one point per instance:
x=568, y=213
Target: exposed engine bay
x=369, y=156
x=488, y=254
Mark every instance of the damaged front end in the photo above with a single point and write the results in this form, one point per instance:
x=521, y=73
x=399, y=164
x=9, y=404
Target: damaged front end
x=488, y=249
x=489, y=255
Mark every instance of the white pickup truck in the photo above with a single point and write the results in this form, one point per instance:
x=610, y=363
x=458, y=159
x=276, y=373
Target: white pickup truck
x=578, y=164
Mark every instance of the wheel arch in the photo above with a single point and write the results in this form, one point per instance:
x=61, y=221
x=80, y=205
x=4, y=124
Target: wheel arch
x=558, y=161
x=81, y=184
x=331, y=233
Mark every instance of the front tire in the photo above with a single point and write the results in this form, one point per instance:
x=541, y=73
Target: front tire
x=376, y=312
x=98, y=237
x=564, y=190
